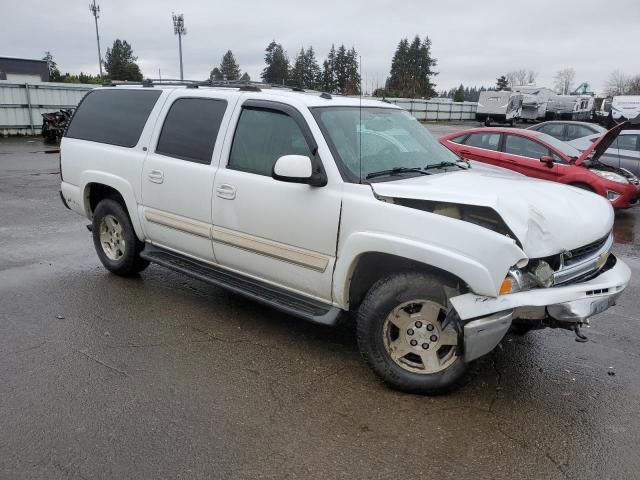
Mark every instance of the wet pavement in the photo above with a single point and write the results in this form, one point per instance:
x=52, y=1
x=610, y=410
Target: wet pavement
x=163, y=376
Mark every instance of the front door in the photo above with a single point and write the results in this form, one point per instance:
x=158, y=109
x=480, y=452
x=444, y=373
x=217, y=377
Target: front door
x=178, y=173
x=523, y=155
x=280, y=232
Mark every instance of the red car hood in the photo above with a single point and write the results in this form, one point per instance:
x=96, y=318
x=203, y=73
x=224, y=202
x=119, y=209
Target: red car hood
x=595, y=151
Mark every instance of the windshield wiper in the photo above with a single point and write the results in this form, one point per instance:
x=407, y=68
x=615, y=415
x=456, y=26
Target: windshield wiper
x=445, y=164
x=396, y=171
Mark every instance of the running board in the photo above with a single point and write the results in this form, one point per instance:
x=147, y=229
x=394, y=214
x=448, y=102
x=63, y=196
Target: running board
x=278, y=298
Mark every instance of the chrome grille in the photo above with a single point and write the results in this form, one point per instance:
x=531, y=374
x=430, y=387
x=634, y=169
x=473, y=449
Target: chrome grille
x=583, y=262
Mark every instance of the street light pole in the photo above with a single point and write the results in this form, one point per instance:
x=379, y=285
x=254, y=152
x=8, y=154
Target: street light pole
x=95, y=10
x=180, y=30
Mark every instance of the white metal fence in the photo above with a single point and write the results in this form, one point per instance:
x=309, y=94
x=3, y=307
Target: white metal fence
x=23, y=103
x=430, y=110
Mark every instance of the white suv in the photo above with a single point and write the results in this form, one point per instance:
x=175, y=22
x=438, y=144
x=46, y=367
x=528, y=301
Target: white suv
x=320, y=205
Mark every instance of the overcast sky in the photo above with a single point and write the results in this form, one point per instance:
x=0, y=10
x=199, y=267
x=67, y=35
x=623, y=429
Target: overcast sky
x=474, y=41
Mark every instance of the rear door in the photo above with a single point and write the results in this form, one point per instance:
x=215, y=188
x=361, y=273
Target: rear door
x=627, y=149
x=178, y=172
x=481, y=146
x=523, y=155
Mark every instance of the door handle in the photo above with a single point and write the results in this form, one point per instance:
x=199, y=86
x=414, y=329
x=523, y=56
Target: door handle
x=156, y=176
x=226, y=191
x=465, y=152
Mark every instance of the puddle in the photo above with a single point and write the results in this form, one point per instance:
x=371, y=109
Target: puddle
x=624, y=228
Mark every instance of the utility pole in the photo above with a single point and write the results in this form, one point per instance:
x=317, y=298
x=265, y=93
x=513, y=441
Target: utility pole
x=180, y=30
x=95, y=11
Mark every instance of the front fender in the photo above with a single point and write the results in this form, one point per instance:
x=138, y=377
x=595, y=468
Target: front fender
x=480, y=274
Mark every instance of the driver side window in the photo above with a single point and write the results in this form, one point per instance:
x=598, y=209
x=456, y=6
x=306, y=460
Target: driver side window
x=524, y=147
x=262, y=136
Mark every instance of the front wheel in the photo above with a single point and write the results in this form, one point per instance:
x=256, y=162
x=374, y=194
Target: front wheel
x=403, y=336
x=115, y=240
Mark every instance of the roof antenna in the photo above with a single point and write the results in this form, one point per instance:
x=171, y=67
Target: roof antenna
x=360, y=131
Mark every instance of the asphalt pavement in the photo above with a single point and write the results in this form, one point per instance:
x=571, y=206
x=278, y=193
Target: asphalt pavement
x=163, y=376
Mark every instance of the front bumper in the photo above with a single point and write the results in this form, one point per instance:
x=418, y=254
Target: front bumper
x=572, y=303
x=627, y=199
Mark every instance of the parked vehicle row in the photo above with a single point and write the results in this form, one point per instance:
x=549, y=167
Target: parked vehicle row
x=319, y=205
x=542, y=156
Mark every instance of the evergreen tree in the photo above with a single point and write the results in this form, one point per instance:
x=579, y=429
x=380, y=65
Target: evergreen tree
x=120, y=63
x=229, y=68
x=245, y=77
x=329, y=82
x=502, y=82
x=412, y=70
x=340, y=71
x=459, y=96
x=216, y=75
x=54, y=73
x=305, y=72
x=277, y=68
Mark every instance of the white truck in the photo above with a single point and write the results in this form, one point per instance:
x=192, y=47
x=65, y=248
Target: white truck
x=322, y=205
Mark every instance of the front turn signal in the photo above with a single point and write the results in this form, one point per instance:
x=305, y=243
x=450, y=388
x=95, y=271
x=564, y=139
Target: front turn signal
x=507, y=286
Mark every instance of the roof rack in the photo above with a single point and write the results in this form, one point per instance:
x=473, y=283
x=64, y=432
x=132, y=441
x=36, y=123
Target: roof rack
x=242, y=85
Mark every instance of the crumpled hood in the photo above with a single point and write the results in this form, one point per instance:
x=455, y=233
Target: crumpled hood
x=546, y=217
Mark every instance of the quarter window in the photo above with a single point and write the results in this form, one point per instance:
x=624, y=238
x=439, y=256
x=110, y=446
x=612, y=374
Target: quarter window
x=115, y=117
x=524, y=147
x=487, y=141
x=191, y=128
x=262, y=136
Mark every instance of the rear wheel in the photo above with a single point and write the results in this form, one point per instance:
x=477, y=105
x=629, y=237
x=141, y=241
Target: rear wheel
x=115, y=240
x=403, y=335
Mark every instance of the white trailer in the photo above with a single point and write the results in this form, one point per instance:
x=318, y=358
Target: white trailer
x=534, y=101
x=569, y=107
x=503, y=106
x=625, y=107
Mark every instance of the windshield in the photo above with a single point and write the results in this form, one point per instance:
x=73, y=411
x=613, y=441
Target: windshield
x=559, y=145
x=388, y=138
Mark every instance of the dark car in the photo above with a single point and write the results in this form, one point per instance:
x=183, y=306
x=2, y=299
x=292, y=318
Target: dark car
x=567, y=130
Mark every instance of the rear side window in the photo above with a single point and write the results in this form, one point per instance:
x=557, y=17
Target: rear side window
x=578, y=131
x=191, y=128
x=115, y=117
x=263, y=136
x=458, y=139
x=627, y=142
x=488, y=141
x=554, y=129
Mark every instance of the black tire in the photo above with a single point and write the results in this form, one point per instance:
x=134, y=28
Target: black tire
x=583, y=186
x=384, y=298
x=127, y=261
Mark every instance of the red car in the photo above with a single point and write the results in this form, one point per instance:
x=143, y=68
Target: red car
x=539, y=155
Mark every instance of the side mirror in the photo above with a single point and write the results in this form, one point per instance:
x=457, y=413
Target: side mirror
x=294, y=169
x=548, y=159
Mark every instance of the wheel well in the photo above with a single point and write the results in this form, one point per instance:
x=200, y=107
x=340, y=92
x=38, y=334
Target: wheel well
x=582, y=185
x=374, y=265
x=95, y=192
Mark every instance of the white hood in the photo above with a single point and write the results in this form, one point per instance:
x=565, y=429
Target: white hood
x=546, y=217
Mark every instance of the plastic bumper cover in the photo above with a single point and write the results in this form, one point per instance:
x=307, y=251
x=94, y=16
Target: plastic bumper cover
x=573, y=302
